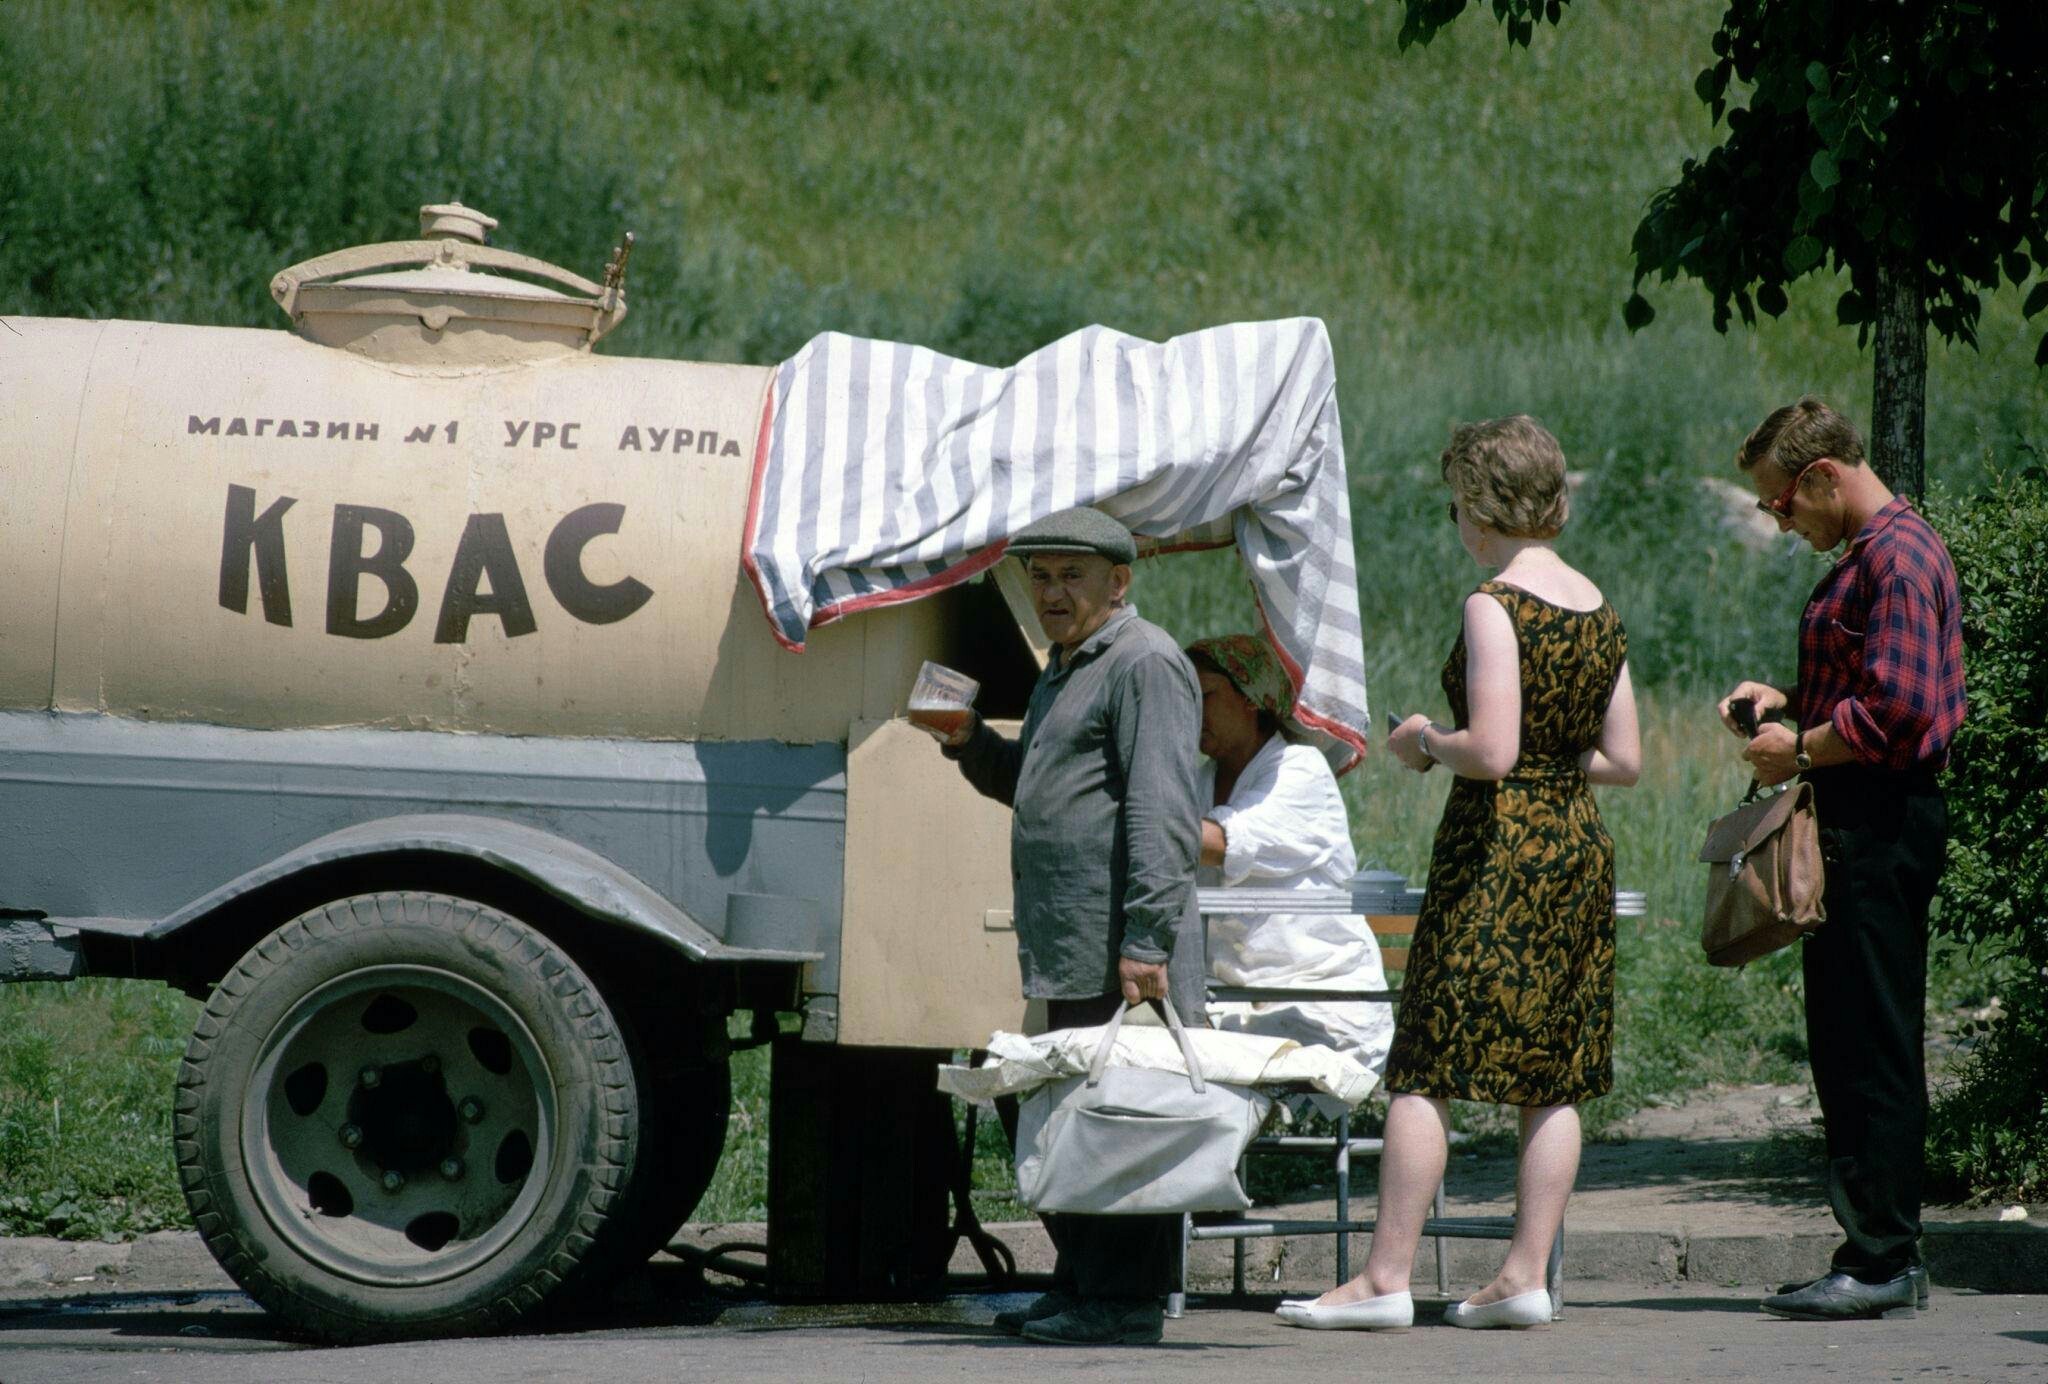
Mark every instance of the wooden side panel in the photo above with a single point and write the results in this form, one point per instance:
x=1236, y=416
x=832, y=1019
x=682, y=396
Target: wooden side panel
x=928, y=955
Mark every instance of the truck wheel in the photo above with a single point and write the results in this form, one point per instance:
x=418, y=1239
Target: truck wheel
x=405, y=1114
x=686, y=1110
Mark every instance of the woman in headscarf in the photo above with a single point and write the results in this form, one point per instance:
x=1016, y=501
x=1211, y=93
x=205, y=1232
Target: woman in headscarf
x=1273, y=818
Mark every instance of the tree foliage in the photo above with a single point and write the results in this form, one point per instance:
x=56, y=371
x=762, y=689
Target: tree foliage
x=1989, y=1133
x=1422, y=19
x=1913, y=132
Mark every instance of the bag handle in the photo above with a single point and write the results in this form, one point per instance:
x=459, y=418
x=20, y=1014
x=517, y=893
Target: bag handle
x=1757, y=791
x=1100, y=1061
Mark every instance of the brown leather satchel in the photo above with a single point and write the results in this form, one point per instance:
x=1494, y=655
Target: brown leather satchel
x=1764, y=876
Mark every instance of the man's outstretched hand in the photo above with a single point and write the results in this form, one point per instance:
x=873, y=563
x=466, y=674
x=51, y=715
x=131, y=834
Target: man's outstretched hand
x=952, y=739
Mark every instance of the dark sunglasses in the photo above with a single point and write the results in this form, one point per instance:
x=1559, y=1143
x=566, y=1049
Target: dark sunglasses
x=1781, y=507
x=1452, y=510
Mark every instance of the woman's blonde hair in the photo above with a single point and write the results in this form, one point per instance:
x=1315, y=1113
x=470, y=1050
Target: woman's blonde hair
x=1508, y=475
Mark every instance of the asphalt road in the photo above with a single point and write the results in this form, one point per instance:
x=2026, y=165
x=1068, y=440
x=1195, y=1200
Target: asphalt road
x=665, y=1331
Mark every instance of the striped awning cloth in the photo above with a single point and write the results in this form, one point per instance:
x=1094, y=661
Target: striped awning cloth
x=885, y=472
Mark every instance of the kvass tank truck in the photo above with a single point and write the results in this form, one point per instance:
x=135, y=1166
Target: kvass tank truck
x=391, y=684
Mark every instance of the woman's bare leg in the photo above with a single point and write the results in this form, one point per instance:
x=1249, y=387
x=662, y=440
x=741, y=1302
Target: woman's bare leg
x=1411, y=1166
x=1543, y=1184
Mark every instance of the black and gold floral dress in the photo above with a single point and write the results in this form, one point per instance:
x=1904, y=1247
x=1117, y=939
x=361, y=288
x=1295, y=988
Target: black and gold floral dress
x=1509, y=995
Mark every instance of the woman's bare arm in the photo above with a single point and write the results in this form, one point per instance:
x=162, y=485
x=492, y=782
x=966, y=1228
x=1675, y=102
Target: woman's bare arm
x=1616, y=758
x=1489, y=746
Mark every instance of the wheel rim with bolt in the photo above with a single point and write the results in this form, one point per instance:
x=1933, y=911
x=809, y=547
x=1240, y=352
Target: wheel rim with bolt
x=399, y=1125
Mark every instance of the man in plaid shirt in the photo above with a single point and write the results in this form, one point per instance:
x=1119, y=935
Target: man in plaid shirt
x=1878, y=699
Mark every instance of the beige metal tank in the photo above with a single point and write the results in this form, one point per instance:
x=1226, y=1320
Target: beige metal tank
x=433, y=508
x=460, y=519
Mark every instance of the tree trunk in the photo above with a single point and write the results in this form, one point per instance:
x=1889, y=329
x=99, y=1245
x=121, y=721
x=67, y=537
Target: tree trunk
x=1898, y=388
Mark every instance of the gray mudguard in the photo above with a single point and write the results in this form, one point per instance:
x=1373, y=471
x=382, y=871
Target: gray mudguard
x=118, y=834
x=574, y=874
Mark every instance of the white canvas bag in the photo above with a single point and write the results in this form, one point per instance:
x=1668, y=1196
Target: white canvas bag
x=1131, y=1141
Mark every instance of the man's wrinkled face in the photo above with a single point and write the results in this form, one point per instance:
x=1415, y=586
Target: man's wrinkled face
x=1075, y=593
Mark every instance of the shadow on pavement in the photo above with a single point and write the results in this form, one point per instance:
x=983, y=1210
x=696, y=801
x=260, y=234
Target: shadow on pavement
x=217, y=1316
x=1736, y=1306
x=1774, y=1171
x=190, y=1319
x=989, y=1337
x=1771, y=1171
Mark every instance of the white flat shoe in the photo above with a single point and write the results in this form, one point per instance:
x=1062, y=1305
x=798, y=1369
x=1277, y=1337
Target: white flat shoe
x=1521, y=1310
x=1387, y=1312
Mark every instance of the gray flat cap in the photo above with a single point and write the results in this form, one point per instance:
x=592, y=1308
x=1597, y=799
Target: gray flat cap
x=1076, y=531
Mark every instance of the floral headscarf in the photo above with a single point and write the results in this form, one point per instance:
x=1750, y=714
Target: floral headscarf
x=1253, y=669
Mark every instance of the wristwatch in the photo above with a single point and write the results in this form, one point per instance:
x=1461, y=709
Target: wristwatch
x=1799, y=755
x=1422, y=741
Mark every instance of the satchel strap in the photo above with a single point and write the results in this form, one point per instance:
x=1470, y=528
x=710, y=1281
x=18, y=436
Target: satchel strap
x=1100, y=1061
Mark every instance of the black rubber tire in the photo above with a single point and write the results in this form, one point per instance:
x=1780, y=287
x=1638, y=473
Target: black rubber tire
x=687, y=1107
x=546, y=1240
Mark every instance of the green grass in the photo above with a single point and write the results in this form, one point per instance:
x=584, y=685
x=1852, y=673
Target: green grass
x=739, y=1189
x=981, y=178
x=85, y=1108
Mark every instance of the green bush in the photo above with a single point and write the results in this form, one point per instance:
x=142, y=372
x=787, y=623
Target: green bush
x=1004, y=311
x=1988, y=1136
x=808, y=50
x=218, y=149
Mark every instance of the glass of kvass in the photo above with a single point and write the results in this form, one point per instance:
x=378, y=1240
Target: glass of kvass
x=942, y=698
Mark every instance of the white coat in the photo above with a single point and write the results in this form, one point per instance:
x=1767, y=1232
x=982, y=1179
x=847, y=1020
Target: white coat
x=1285, y=827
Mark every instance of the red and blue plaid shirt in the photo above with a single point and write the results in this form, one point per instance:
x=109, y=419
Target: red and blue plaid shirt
x=1881, y=645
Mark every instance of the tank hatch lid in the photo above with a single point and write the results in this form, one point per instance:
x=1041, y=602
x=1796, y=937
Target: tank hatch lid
x=448, y=298
x=455, y=279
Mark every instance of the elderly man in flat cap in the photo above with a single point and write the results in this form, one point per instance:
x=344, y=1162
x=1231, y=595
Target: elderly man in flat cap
x=1103, y=844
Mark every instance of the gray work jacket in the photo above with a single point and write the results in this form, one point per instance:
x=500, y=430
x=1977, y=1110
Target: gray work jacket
x=1106, y=826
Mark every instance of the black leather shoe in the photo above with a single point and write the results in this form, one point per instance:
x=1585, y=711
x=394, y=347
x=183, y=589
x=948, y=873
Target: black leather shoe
x=1102, y=1322
x=1921, y=1283
x=1840, y=1298
x=1013, y=1322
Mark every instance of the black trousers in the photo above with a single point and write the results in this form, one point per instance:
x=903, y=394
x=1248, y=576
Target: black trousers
x=1884, y=838
x=1104, y=1256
